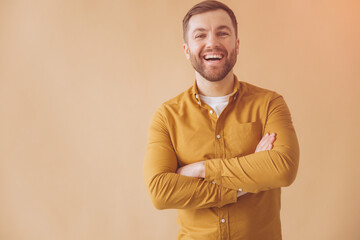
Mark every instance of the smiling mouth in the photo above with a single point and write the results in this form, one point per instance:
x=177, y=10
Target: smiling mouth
x=213, y=57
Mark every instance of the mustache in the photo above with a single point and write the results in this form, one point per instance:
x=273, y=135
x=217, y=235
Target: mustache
x=216, y=49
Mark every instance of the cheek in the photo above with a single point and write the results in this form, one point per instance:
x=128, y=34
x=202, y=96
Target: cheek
x=231, y=47
x=195, y=49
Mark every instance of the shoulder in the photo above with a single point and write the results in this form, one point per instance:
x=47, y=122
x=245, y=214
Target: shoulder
x=178, y=102
x=251, y=91
x=173, y=108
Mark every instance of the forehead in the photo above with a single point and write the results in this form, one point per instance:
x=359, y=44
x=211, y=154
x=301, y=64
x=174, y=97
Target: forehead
x=210, y=20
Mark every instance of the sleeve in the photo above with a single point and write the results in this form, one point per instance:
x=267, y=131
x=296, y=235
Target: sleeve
x=262, y=170
x=168, y=189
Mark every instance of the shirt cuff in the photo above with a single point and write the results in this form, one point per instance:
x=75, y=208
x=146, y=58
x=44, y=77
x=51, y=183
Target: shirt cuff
x=213, y=170
x=228, y=196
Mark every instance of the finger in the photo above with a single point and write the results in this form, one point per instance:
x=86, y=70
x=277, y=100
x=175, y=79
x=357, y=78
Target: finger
x=264, y=144
x=270, y=146
x=261, y=143
x=269, y=141
x=266, y=141
x=263, y=139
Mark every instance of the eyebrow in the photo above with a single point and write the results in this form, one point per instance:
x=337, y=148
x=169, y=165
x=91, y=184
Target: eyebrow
x=198, y=30
x=223, y=27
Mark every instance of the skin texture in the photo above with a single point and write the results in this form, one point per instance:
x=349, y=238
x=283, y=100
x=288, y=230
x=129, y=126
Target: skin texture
x=212, y=33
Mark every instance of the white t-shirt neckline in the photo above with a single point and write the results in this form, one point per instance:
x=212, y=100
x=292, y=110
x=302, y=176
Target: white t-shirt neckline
x=218, y=104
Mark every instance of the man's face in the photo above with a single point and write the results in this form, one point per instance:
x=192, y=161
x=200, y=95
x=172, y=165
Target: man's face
x=212, y=45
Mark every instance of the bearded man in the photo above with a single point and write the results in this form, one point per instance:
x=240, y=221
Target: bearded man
x=220, y=151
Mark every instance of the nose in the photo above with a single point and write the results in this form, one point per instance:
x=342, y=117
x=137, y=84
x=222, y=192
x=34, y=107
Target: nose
x=212, y=41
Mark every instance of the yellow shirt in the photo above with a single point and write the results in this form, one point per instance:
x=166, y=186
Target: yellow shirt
x=184, y=130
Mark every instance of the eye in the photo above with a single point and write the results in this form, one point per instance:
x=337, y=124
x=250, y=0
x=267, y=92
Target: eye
x=223, y=34
x=200, y=36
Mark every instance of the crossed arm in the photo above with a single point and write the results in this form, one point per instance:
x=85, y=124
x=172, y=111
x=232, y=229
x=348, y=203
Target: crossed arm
x=197, y=169
x=170, y=187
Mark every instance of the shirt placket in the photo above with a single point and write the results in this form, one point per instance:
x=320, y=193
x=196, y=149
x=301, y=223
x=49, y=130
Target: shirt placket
x=223, y=215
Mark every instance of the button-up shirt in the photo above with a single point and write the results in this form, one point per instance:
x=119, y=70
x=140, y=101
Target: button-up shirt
x=185, y=130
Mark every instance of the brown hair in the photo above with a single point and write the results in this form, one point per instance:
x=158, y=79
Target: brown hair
x=206, y=6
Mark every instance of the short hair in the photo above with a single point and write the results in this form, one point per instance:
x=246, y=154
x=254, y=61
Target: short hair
x=207, y=6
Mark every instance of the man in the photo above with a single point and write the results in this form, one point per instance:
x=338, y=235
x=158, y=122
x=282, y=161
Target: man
x=212, y=151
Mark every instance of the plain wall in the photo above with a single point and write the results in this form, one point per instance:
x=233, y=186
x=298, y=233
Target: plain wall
x=80, y=80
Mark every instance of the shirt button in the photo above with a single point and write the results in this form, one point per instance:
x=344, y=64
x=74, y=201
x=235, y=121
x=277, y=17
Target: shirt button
x=211, y=111
x=223, y=220
x=218, y=136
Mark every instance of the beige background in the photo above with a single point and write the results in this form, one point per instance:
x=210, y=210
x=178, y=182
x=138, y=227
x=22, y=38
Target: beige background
x=79, y=81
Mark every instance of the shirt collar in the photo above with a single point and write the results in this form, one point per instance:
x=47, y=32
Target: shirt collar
x=233, y=96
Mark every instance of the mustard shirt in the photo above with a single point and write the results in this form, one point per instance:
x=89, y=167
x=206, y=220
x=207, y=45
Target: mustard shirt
x=184, y=130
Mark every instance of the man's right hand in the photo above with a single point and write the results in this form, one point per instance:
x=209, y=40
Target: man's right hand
x=266, y=143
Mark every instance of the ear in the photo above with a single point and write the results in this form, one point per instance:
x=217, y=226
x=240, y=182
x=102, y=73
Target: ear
x=186, y=50
x=237, y=46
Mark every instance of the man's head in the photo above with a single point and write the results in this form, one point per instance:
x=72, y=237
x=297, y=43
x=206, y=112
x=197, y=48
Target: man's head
x=207, y=6
x=210, y=36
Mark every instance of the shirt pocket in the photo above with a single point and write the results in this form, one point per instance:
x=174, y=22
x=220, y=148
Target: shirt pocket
x=242, y=138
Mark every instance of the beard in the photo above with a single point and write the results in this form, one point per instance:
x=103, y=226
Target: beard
x=214, y=73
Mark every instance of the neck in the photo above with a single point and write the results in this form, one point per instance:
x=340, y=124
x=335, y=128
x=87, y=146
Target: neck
x=219, y=88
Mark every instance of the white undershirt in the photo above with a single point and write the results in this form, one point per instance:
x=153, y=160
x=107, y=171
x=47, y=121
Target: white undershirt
x=218, y=104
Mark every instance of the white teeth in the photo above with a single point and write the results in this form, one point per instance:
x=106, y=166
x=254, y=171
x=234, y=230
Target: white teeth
x=214, y=56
